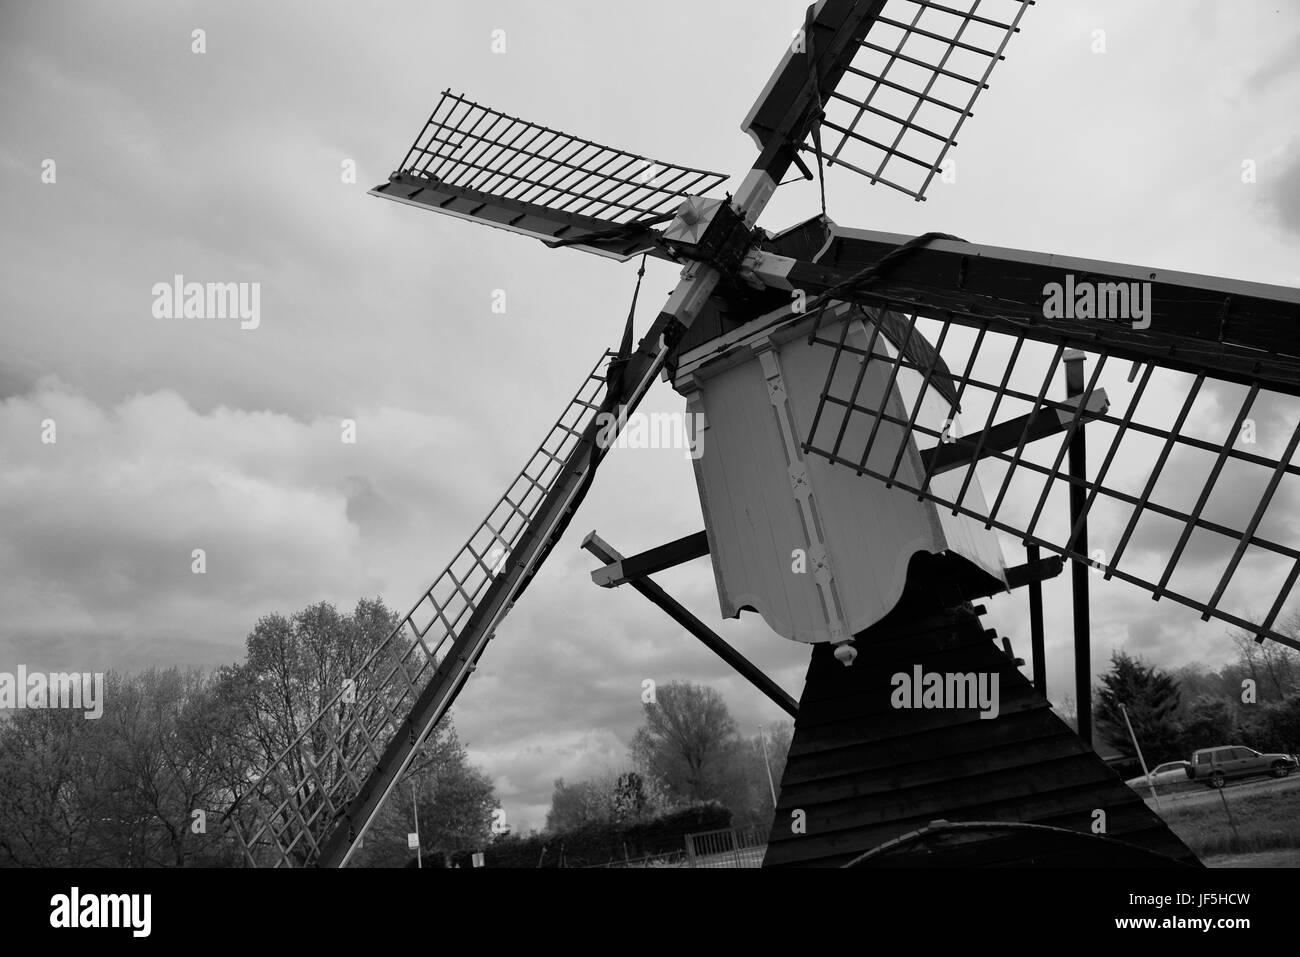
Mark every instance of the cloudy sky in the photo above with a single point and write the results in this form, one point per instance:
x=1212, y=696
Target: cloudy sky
x=227, y=166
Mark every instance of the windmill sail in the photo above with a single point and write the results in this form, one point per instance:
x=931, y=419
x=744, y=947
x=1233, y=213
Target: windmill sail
x=480, y=164
x=1193, y=481
x=313, y=802
x=882, y=88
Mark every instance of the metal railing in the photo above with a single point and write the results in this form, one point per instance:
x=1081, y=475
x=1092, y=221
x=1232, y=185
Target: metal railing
x=729, y=847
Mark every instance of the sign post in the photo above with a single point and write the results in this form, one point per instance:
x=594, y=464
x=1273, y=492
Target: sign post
x=413, y=839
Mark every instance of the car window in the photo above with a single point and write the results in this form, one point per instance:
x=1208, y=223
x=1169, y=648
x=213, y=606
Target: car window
x=1203, y=757
x=1167, y=766
x=1240, y=753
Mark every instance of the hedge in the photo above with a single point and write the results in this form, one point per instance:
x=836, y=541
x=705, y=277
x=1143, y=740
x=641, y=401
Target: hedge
x=602, y=842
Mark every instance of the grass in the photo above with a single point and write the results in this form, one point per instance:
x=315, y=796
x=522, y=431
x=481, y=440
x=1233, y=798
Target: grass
x=1265, y=820
x=1289, y=857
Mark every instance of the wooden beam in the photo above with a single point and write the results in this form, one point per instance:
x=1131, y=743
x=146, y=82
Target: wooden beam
x=1046, y=421
x=653, y=560
x=1035, y=570
x=1036, y=642
x=1233, y=330
x=678, y=613
x=1079, y=571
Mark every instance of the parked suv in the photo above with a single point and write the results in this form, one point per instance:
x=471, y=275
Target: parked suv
x=1213, y=766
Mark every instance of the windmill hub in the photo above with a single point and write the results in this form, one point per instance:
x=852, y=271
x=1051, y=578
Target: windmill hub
x=713, y=231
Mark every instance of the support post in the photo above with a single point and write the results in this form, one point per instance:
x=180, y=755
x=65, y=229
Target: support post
x=678, y=613
x=1141, y=760
x=1080, y=570
x=1036, y=625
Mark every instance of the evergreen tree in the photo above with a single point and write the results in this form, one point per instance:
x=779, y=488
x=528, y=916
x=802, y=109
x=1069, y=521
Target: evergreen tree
x=1151, y=697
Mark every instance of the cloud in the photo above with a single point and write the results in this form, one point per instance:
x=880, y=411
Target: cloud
x=1281, y=65
x=101, y=524
x=1282, y=192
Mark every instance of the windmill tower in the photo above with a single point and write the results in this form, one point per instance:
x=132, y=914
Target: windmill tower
x=831, y=368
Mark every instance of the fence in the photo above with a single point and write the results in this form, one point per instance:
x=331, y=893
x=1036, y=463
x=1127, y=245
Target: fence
x=730, y=847
x=668, y=859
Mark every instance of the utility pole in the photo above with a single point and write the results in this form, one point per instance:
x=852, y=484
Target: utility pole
x=1141, y=760
x=766, y=764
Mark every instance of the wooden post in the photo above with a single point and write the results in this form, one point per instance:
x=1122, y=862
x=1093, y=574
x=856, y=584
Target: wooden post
x=1080, y=570
x=1036, y=625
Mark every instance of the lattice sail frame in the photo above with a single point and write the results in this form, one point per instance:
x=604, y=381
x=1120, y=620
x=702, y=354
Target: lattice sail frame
x=290, y=810
x=911, y=85
x=473, y=147
x=1184, y=470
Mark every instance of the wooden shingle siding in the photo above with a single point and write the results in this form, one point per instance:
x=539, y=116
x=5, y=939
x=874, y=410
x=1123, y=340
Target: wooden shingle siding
x=865, y=773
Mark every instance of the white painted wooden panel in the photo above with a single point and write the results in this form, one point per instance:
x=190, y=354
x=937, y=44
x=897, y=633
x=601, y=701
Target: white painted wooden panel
x=871, y=532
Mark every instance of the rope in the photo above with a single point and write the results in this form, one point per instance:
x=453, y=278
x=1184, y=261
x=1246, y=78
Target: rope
x=622, y=231
x=625, y=346
x=821, y=110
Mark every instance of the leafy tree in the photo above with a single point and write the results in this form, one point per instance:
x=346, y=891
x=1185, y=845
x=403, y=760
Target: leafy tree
x=623, y=797
x=295, y=669
x=630, y=798
x=1273, y=667
x=455, y=801
x=1151, y=697
x=687, y=741
x=575, y=805
x=1273, y=725
x=1209, y=722
x=57, y=772
x=121, y=791
x=172, y=737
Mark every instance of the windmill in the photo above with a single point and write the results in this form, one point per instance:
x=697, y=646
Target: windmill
x=829, y=367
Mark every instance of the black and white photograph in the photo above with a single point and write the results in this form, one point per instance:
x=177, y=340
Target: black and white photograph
x=511, y=436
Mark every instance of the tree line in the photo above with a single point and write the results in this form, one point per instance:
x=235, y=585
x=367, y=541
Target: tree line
x=687, y=752
x=149, y=783
x=1253, y=700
